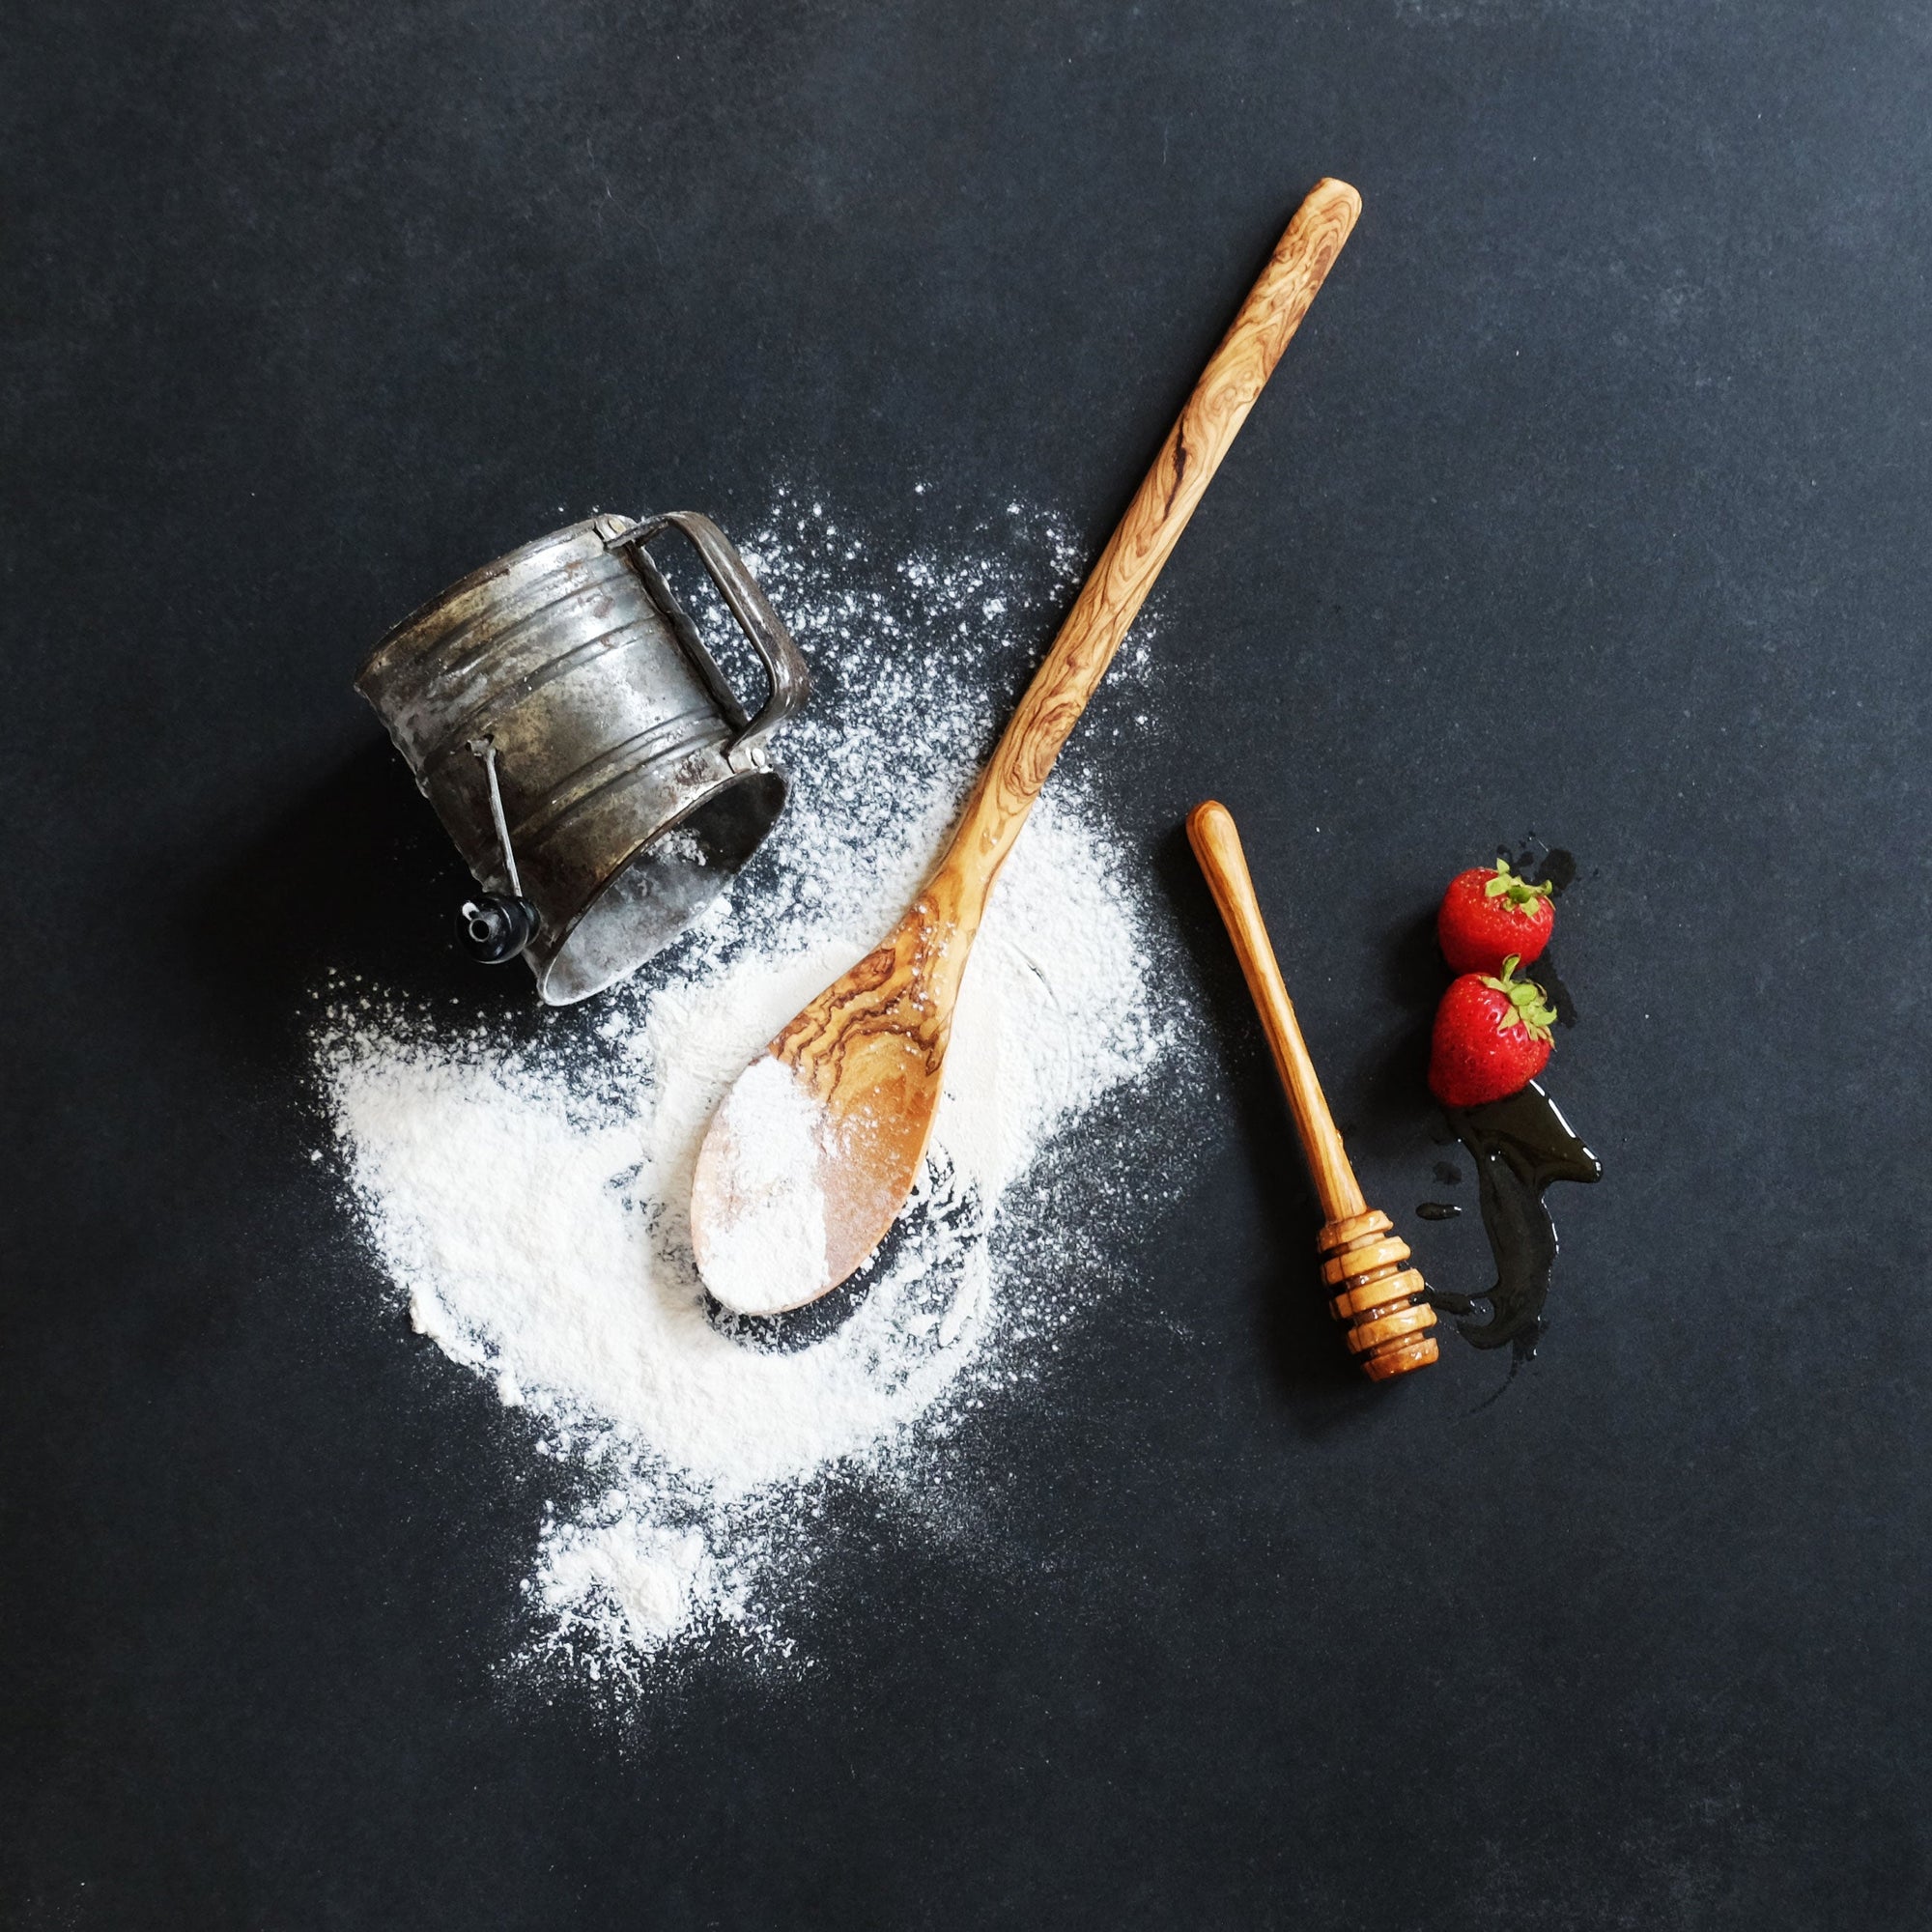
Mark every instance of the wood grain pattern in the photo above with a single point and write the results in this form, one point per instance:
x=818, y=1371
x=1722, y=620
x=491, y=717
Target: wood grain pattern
x=1379, y=1300
x=871, y=1048
x=1114, y=592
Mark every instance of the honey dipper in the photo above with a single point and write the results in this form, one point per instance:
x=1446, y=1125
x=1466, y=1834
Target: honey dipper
x=1377, y=1298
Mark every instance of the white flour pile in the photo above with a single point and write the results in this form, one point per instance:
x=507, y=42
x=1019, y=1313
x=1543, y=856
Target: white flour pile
x=529, y=1194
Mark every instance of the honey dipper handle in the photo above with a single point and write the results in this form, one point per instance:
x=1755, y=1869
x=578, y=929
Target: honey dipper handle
x=1112, y=596
x=1210, y=831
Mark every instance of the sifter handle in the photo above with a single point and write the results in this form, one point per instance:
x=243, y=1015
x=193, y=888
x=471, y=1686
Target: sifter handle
x=785, y=663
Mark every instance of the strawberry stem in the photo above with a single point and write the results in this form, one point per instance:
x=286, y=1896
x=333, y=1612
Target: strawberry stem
x=1514, y=891
x=1529, y=1006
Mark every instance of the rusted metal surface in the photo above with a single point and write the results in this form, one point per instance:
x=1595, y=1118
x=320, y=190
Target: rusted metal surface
x=634, y=782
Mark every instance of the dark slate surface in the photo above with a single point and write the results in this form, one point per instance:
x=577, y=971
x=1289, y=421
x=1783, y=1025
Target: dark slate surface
x=1595, y=501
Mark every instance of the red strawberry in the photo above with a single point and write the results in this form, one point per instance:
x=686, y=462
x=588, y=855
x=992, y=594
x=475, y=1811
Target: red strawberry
x=1485, y=916
x=1491, y=1037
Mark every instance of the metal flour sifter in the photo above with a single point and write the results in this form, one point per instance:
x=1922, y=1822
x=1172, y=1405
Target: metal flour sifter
x=582, y=748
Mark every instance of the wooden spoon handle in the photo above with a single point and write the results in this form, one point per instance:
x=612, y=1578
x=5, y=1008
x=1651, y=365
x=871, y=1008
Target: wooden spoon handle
x=1210, y=831
x=1125, y=573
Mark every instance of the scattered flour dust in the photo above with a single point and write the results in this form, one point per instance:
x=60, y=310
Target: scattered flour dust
x=527, y=1187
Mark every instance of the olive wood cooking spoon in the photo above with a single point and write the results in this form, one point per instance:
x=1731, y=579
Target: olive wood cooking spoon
x=798, y=1180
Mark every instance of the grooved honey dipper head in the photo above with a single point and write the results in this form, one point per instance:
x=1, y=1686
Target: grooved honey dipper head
x=1380, y=1302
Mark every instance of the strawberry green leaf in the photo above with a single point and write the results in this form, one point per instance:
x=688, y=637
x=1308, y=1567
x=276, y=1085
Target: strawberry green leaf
x=1520, y=896
x=1528, y=1005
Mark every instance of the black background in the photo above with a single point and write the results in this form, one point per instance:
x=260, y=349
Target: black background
x=1594, y=501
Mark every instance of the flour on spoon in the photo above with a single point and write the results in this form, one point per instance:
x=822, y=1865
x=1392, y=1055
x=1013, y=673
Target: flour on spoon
x=764, y=1251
